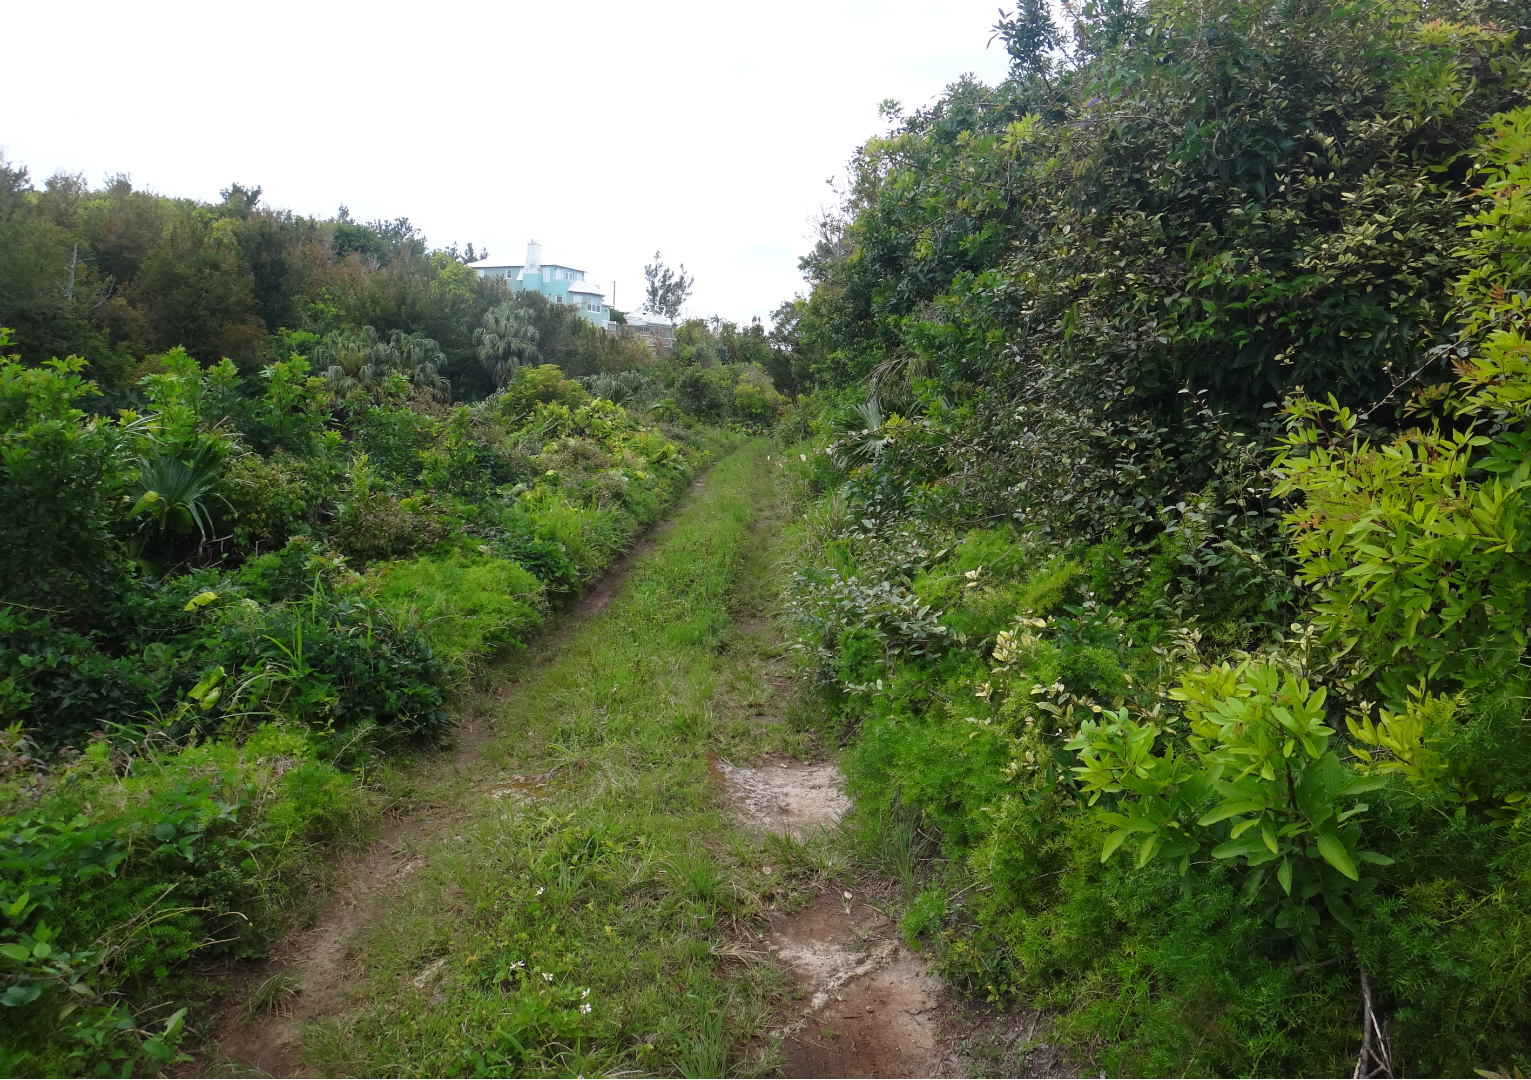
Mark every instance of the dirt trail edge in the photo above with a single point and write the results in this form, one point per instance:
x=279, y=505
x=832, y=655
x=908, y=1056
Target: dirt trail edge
x=870, y=1002
x=870, y=1005
x=259, y=1025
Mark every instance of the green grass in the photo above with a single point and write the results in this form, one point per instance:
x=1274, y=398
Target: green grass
x=622, y=883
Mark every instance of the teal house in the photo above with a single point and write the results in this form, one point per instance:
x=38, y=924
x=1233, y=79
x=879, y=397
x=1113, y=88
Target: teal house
x=560, y=284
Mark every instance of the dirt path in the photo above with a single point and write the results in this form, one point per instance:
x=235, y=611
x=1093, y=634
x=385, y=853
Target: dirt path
x=260, y=1025
x=869, y=1001
x=866, y=1002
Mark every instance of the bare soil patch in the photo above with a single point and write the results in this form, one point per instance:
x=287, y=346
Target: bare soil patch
x=869, y=1001
x=874, y=1007
x=871, y=1005
x=872, y=1001
x=786, y=795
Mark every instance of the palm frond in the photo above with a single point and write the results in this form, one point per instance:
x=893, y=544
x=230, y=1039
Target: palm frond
x=173, y=488
x=507, y=340
x=618, y=387
x=858, y=435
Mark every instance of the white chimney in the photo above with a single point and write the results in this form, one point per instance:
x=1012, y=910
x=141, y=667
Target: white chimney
x=533, y=258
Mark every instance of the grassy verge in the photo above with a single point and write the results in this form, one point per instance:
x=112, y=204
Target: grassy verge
x=581, y=921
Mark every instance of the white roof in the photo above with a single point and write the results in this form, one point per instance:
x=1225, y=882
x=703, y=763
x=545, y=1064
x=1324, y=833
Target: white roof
x=589, y=288
x=485, y=264
x=647, y=318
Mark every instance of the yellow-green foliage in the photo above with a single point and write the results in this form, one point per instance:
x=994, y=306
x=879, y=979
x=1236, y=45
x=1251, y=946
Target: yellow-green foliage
x=467, y=604
x=589, y=536
x=1416, y=544
x=533, y=386
x=987, y=577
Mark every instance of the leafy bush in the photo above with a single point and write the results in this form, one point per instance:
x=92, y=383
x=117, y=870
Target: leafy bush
x=465, y=605
x=243, y=578
x=1183, y=376
x=61, y=476
x=123, y=864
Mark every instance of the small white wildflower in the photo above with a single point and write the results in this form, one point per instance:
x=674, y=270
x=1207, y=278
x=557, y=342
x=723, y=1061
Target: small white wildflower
x=541, y=889
x=547, y=976
x=585, y=993
x=584, y=1008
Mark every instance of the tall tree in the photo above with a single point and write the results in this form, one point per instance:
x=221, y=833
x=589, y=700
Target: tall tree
x=668, y=290
x=506, y=341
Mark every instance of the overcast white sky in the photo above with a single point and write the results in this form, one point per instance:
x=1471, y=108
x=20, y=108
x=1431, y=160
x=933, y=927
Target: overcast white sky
x=605, y=131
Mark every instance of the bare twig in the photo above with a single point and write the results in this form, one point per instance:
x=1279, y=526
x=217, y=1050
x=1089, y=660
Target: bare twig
x=1374, y=1059
x=1300, y=968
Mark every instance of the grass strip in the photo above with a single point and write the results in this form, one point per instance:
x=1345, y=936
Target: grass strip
x=579, y=917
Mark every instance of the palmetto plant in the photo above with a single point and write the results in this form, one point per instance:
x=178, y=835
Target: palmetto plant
x=419, y=359
x=173, y=488
x=858, y=431
x=617, y=387
x=506, y=341
x=360, y=363
x=858, y=435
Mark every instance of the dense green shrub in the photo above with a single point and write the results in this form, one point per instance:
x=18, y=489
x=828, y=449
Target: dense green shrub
x=60, y=475
x=1178, y=384
x=262, y=547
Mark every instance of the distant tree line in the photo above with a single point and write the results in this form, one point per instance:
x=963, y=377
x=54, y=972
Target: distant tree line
x=119, y=276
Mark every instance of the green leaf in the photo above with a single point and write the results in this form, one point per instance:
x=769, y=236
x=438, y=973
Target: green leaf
x=1230, y=809
x=1340, y=910
x=1252, y=885
x=1363, y=783
x=17, y=952
x=1268, y=833
x=165, y=831
x=20, y=995
x=1374, y=857
x=202, y=599
x=1113, y=842
x=1334, y=853
x=1232, y=849
x=1284, y=876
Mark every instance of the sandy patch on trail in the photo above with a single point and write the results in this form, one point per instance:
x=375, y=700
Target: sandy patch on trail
x=875, y=1008
x=786, y=795
x=872, y=1002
